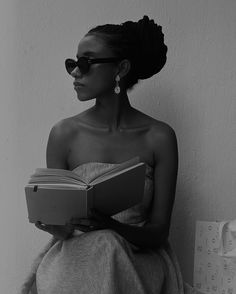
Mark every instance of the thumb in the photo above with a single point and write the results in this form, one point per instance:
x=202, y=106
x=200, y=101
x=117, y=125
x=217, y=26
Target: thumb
x=70, y=225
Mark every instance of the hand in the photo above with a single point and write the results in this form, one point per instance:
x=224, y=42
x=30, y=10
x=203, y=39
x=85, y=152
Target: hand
x=98, y=221
x=59, y=231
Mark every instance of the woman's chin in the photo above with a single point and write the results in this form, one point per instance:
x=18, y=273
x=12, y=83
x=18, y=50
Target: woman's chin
x=83, y=97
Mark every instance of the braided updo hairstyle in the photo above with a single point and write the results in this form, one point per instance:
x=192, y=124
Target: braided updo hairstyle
x=142, y=43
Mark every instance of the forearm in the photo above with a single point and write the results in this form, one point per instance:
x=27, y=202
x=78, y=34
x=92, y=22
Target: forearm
x=147, y=236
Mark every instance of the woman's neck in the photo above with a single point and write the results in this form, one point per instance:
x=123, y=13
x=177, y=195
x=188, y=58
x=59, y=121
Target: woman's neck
x=113, y=110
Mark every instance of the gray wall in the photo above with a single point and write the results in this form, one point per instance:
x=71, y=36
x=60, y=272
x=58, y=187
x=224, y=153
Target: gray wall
x=194, y=93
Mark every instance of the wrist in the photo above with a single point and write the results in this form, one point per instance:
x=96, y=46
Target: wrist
x=70, y=234
x=116, y=225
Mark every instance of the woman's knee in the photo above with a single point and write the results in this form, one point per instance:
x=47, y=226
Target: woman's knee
x=111, y=237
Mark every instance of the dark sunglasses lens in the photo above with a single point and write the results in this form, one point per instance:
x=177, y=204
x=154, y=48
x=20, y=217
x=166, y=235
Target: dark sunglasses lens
x=82, y=63
x=70, y=65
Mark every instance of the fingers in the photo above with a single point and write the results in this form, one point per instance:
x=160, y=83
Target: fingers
x=87, y=223
x=69, y=226
x=82, y=228
x=81, y=221
x=47, y=228
x=84, y=225
x=41, y=226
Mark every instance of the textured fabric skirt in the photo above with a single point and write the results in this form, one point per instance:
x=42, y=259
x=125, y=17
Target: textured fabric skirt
x=102, y=261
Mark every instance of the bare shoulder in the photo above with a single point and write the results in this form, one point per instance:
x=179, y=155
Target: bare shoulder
x=157, y=127
x=59, y=143
x=64, y=128
x=162, y=137
x=163, y=141
x=161, y=130
x=60, y=135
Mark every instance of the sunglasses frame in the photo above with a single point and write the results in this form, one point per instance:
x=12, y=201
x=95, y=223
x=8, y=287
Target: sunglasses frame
x=89, y=62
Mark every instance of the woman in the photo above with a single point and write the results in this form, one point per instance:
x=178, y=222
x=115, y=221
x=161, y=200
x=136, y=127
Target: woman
x=128, y=252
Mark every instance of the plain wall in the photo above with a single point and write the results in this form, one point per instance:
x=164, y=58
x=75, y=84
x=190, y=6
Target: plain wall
x=194, y=93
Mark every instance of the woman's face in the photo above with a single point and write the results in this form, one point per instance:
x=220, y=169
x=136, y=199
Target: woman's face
x=100, y=79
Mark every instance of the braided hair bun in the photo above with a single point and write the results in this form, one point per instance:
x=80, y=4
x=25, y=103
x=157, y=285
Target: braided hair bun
x=149, y=55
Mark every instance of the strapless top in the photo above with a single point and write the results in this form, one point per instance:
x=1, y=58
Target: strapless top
x=135, y=215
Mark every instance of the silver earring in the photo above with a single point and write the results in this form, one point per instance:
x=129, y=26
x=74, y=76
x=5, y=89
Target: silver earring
x=117, y=88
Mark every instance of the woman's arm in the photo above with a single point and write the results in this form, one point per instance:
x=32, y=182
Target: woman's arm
x=56, y=152
x=149, y=236
x=56, y=155
x=156, y=230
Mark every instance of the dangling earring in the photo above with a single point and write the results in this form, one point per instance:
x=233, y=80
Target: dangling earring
x=117, y=88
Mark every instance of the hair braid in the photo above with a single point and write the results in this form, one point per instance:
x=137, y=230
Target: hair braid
x=141, y=42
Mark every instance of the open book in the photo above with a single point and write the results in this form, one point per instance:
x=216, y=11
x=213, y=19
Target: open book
x=54, y=196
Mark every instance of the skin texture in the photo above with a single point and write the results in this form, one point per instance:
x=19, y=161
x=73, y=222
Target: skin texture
x=113, y=131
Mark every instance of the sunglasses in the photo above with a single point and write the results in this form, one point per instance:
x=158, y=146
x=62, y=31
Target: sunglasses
x=84, y=63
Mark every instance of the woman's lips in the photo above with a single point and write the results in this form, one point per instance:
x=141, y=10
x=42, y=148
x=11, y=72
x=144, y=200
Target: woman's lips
x=78, y=84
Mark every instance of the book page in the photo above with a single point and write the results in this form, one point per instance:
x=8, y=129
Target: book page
x=55, y=179
x=56, y=172
x=47, y=175
x=61, y=186
x=59, y=175
x=111, y=175
x=114, y=170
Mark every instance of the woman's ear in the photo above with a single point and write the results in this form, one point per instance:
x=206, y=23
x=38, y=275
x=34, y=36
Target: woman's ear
x=124, y=67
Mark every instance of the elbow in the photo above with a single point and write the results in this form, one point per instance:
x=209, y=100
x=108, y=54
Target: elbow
x=165, y=238
x=158, y=237
x=160, y=241
x=165, y=235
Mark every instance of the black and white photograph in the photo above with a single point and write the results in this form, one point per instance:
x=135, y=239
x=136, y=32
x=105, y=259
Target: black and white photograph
x=118, y=147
